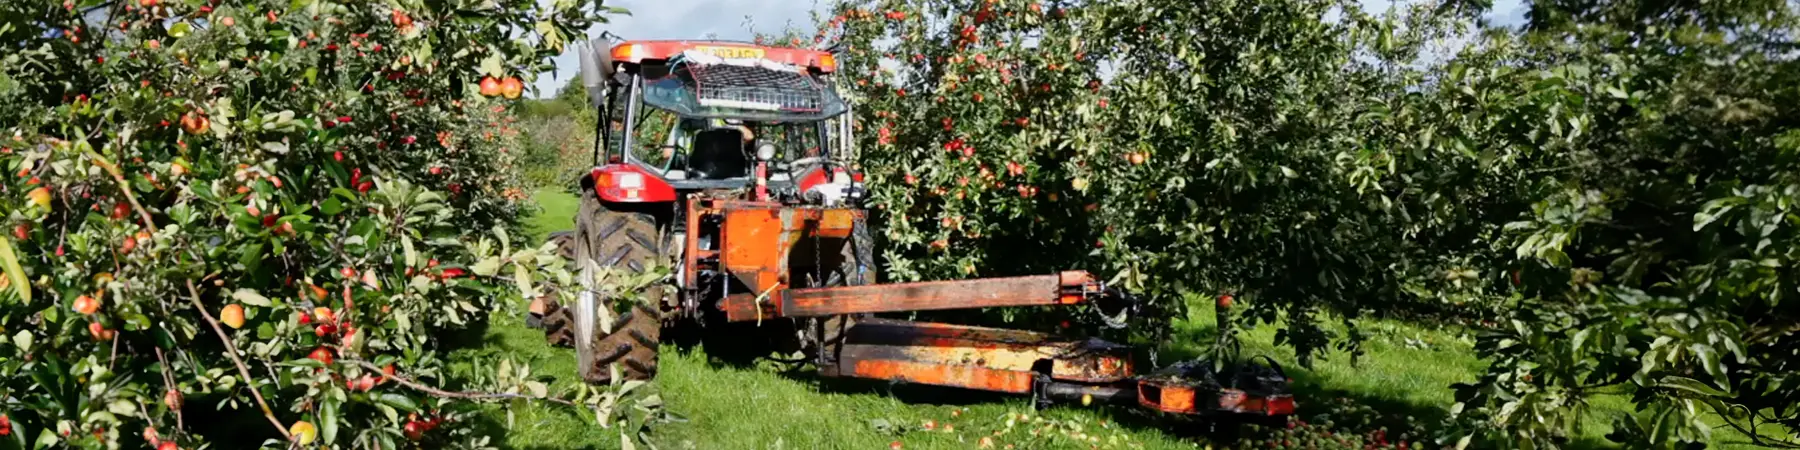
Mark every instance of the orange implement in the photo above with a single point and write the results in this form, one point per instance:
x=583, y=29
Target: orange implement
x=983, y=358
x=1067, y=288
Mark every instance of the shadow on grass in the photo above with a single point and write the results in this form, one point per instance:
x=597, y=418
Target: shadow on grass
x=1309, y=388
x=473, y=335
x=1313, y=392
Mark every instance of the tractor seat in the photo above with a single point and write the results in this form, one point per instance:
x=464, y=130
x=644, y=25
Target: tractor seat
x=718, y=155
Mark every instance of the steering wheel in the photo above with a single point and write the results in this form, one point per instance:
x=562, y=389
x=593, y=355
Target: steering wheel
x=678, y=151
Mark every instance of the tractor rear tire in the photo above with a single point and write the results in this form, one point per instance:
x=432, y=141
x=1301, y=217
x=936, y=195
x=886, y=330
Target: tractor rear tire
x=857, y=269
x=626, y=241
x=565, y=244
x=546, y=312
x=559, y=324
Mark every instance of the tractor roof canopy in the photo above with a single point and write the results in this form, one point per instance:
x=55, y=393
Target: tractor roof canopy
x=734, y=81
x=638, y=52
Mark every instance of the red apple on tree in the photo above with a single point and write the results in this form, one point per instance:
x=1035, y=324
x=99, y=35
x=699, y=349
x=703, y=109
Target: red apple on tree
x=86, y=305
x=232, y=315
x=490, y=87
x=511, y=87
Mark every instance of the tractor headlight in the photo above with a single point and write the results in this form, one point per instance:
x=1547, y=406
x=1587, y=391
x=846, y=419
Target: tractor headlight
x=765, y=152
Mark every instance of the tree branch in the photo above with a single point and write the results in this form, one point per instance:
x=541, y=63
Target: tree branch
x=467, y=395
x=231, y=351
x=1752, y=433
x=124, y=188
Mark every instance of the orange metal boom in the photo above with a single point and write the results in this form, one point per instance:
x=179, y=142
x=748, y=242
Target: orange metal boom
x=1067, y=288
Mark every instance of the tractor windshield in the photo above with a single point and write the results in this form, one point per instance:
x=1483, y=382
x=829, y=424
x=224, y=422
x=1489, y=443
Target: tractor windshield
x=716, y=149
x=699, y=85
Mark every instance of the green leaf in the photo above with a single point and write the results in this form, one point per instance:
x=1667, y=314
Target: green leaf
x=1555, y=257
x=1707, y=217
x=305, y=362
x=487, y=267
x=493, y=66
x=522, y=278
x=398, y=401
x=412, y=255
x=331, y=206
x=251, y=256
x=46, y=439
x=9, y=262
x=328, y=421
x=1690, y=385
x=250, y=297
x=23, y=340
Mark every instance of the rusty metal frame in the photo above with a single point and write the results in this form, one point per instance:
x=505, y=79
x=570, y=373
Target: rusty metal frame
x=756, y=238
x=1066, y=288
x=991, y=359
x=1181, y=398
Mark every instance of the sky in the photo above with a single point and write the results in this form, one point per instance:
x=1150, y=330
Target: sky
x=735, y=20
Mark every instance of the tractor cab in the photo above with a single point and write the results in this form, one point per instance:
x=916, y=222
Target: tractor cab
x=684, y=116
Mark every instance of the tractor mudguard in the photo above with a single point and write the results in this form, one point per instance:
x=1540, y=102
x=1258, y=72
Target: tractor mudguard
x=626, y=183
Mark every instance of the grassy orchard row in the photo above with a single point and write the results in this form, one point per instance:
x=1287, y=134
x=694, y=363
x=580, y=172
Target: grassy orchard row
x=235, y=224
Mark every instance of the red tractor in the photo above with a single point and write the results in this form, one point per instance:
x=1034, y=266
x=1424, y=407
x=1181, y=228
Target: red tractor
x=732, y=164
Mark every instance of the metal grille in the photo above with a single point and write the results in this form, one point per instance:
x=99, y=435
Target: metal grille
x=750, y=84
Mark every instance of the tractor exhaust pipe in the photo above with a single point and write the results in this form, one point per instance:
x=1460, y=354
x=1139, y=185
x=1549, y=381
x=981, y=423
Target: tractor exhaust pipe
x=596, y=69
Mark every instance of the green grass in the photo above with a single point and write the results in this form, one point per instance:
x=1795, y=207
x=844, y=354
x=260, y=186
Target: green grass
x=1406, y=371
x=556, y=212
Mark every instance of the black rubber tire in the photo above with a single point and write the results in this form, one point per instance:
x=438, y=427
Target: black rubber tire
x=628, y=241
x=857, y=269
x=557, y=322
x=559, y=325
x=565, y=244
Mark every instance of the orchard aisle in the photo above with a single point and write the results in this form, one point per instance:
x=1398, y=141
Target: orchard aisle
x=1406, y=373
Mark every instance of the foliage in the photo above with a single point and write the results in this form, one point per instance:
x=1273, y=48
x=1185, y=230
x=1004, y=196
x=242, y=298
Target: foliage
x=220, y=209
x=1020, y=137
x=1659, y=257
x=1610, y=185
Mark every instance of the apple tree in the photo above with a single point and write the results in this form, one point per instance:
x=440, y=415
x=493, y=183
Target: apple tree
x=245, y=223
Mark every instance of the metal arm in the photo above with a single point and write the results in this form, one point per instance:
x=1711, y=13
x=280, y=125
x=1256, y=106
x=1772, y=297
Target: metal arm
x=1067, y=288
